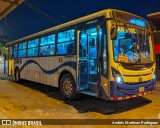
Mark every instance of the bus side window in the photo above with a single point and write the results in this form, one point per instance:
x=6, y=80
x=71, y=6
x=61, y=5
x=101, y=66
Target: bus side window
x=70, y=48
x=22, y=50
x=66, y=42
x=15, y=52
x=33, y=48
x=47, y=45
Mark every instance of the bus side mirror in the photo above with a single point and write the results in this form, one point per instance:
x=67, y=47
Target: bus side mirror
x=113, y=32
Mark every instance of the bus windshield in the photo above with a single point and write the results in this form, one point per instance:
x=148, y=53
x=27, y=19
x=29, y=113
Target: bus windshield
x=132, y=45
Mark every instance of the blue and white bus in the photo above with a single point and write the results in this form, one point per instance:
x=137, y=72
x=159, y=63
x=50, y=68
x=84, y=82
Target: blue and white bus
x=108, y=54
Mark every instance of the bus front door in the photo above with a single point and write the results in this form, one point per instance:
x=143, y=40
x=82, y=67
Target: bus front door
x=88, y=66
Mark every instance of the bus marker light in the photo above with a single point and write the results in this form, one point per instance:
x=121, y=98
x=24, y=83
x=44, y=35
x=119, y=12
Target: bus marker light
x=105, y=84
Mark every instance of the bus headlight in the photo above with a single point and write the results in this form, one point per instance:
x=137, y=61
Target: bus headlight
x=119, y=79
x=117, y=76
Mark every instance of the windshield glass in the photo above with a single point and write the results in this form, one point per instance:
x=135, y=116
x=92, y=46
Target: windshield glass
x=131, y=46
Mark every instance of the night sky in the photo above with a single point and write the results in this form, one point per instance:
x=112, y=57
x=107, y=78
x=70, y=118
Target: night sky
x=24, y=21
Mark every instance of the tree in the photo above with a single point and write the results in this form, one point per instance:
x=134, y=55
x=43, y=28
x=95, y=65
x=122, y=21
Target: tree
x=2, y=49
x=2, y=44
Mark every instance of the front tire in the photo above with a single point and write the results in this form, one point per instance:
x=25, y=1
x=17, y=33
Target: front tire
x=17, y=76
x=68, y=87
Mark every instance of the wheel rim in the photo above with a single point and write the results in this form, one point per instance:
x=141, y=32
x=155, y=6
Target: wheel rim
x=67, y=87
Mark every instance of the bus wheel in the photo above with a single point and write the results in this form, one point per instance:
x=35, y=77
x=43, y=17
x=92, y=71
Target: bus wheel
x=17, y=76
x=67, y=87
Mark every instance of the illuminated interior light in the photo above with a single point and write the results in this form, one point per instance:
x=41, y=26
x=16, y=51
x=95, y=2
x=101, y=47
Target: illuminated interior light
x=83, y=36
x=94, y=34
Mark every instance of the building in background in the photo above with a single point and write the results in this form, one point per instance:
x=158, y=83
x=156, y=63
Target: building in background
x=155, y=23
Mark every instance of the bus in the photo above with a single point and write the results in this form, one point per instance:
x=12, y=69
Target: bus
x=108, y=54
x=155, y=25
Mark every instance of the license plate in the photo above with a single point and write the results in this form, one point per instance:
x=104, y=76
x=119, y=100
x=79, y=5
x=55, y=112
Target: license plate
x=141, y=89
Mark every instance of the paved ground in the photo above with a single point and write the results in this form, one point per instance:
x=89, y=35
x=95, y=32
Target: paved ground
x=30, y=100
x=1, y=66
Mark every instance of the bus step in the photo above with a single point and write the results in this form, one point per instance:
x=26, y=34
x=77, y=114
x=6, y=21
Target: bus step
x=82, y=87
x=88, y=93
x=93, y=83
x=93, y=86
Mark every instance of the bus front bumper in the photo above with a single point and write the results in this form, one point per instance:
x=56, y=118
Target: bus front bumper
x=125, y=91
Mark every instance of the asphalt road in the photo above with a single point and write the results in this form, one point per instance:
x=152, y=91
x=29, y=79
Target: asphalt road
x=30, y=100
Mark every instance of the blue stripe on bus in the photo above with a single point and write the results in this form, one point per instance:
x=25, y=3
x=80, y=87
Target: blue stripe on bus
x=69, y=63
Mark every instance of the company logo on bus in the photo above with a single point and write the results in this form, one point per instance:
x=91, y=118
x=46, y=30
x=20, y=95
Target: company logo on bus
x=140, y=79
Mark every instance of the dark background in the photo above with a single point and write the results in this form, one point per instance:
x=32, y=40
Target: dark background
x=24, y=21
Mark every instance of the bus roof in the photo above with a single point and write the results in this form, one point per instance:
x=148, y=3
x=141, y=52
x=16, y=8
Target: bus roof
x=73, y=22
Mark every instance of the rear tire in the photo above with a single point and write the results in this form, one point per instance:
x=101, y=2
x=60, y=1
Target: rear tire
x=17, y=76
x=68, y=87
